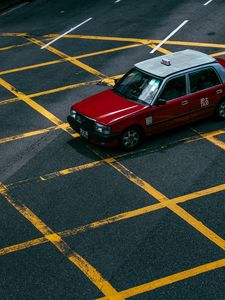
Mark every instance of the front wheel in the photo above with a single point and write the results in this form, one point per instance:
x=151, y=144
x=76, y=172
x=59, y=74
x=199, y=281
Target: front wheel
x=220, y=110
x=131, y=138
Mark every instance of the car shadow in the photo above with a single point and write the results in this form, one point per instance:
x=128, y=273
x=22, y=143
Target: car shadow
x=157, y=143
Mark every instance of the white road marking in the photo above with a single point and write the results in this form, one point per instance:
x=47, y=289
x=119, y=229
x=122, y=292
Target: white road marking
x=169, y=36
x=71, y=29
x=14, y=8
x=117, y=1
x=208, y=2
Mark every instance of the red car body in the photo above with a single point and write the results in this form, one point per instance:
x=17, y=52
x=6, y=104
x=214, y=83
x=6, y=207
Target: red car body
x=126, y=121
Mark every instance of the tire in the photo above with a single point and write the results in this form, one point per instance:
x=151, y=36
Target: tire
x=131, y=138
x=220, y=110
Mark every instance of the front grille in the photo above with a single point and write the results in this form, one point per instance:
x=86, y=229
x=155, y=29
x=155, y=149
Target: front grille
x=84, y=121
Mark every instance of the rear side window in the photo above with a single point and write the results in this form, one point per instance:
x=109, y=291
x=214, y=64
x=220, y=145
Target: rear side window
x=203, y=79
x=174, y=88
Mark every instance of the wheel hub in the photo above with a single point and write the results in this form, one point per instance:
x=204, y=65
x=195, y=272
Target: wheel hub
x=222, y=109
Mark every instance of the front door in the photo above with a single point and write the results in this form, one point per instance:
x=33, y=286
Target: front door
x=174, y=111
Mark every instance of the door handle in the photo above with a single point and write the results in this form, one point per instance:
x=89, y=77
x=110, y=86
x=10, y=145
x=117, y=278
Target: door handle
x=185, y=102
x=219, y=91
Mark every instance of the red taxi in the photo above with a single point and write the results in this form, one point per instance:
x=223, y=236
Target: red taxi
x=156, y=95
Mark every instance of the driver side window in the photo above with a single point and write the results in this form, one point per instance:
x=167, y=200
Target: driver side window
x=174, y=88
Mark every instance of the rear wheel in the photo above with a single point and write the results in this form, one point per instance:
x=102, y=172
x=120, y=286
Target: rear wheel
x=220, y=110
x=131, y=138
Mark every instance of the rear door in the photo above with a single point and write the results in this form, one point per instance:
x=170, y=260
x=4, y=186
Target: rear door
x=205, y=91
x=176, y=108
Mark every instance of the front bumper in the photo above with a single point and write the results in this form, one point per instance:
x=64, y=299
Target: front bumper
x=109, y=140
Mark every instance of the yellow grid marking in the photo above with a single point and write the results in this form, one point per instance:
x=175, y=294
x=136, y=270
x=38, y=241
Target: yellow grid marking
x=95, y=277
x=13, y=34
x=60, y=89
x=206, y=134
x=96, y=163
x=102, y=38
x=218, y=54
x=69, y=58
x=48, y=63
x=211, y=138
x=30, y=102
x=147, y=287
x=150, y=43
x=115, y=218
x=52, y=62
x=28, y=134
x=15, y=46
x=36, y=106
x=122, y=169
x=63, y=126
x=51, y=91
x=183, y=214
x=135, y=40
x=216, y=142
x=194, y=44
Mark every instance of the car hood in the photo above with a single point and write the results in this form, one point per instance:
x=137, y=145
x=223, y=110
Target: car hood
x=107, y=107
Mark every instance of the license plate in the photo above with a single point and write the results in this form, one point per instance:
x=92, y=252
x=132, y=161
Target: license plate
x=84, y=133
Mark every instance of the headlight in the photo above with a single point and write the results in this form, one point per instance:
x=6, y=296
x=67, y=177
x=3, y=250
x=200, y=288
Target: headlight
x=102, y=128
x=73, y=113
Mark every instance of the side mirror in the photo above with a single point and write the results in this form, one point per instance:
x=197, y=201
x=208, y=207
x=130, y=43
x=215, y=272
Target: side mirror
x=161, y=102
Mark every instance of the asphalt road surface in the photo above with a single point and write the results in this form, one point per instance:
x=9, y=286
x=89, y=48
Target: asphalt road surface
x=82, y=222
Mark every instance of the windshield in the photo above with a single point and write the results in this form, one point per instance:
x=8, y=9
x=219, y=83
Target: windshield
x=136, y=85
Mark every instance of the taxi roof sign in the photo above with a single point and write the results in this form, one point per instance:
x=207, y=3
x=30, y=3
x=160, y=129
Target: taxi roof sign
x=179, y=61
x=165, y=62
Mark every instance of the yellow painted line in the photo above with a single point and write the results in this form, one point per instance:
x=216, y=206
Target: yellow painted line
x=48, y=63
x=206, y=135
x=69, y=58
x=101, y=162
x=74, y=169
x=60, y=89
x=147, y=287
x=51, y=91
x=194, y=44
x=30, y=102
x=147, y=42
x=24, y=245
x=198, y=194
x=63, y=172
x=218, y=54
x=208, y=233
x=95, y=277
x=32, y=66
x=216, y=142
x=8, y=101
x=38, y=108
x=135, y=40
x=211, y=138
x=68, y=87
x=28, y=134
x=102, y=38
x=108, y=51
x=112, y=219
x=15, y=46
x=84, y=228
x=13, y=34
x=138, y=181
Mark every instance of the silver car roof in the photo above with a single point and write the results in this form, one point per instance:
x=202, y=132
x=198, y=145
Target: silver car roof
x=179, y=61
